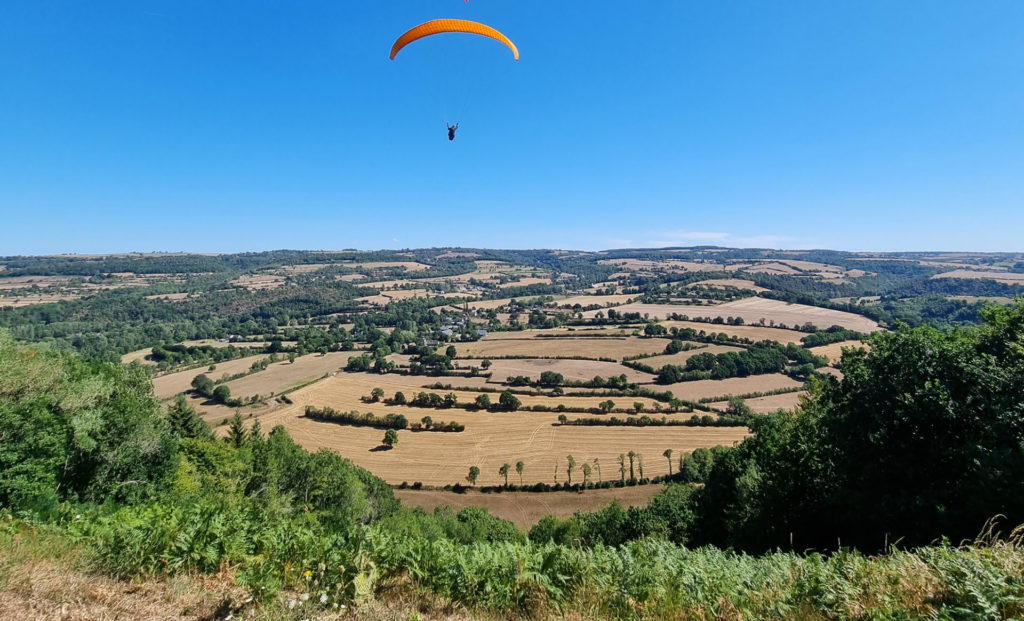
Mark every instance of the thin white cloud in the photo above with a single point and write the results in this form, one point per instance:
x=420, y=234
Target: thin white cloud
x=698, y=238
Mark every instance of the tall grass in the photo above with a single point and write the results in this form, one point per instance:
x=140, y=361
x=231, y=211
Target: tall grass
x=644, y=579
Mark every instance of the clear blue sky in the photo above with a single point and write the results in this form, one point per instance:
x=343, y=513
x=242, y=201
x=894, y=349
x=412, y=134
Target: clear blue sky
x=246, y=125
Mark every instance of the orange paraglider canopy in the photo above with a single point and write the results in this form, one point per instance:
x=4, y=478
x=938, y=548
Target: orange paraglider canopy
x=438, y=26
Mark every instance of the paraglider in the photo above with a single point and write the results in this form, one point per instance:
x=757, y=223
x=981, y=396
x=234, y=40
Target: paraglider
x=439, y=26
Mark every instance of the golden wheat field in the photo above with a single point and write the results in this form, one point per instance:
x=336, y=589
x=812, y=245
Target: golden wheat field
x=489, y=440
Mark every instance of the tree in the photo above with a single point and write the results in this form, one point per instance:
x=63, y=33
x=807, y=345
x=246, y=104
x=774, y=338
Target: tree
x=185, y=422
x=586, y=474
x=550, y=378
x=509, y=401
x=562, y=419
x=485, y=364
x=390, y=438
x=638, y=407
x=632, y=458
x=668, y=455
x=640, y=465
x=739, y=408
x=597, y=464
x=291, y=358
x=519, y=469
x=606, y=406
x=572, y=466
x=483, y=401
x=451, y=352
x=236, y=431
x=622, y=468
x=376, y=394
x=427, y=422
x=503, y=471
x=400, y=398
x=450, y=400
x=221, y=394
x=474, y=472
x=203, y=385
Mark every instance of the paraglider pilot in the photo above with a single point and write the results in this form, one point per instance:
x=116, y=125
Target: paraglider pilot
x=451, y=130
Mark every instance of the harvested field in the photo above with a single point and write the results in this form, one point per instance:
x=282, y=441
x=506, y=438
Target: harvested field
x=11, y=283
x=664, y=265
x=139, y=356
x=409, y=266
x=763, y=267
x=169, y=297
x=1007, y=278
x=259, y=281
x=753, y=310
x=526, y=281
x=755, y=333
x=524, y=509
x=704, y=389
x=602, y=300
x=489, y=440
x=281, y=376
x=571, y=332
x=166, y=386
x=18, y=301
x=737, y=283
x=566, y=347
x=834, y=351
x=680, y=358
x=578, y=370
x=351, y=277
x=767, y=405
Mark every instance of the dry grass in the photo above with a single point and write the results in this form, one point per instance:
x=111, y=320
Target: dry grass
x=44, y=590
x=489, y=440
x=524, y=509
x=664, y=265
x=591, y=347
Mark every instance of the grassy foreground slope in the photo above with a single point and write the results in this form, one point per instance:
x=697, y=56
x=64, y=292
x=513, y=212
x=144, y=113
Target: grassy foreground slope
x=922, y=439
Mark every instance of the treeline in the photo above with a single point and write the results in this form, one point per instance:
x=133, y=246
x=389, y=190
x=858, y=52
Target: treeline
x=760, y=358
x=835, y=334
x=388, y=421
x=647, y=421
